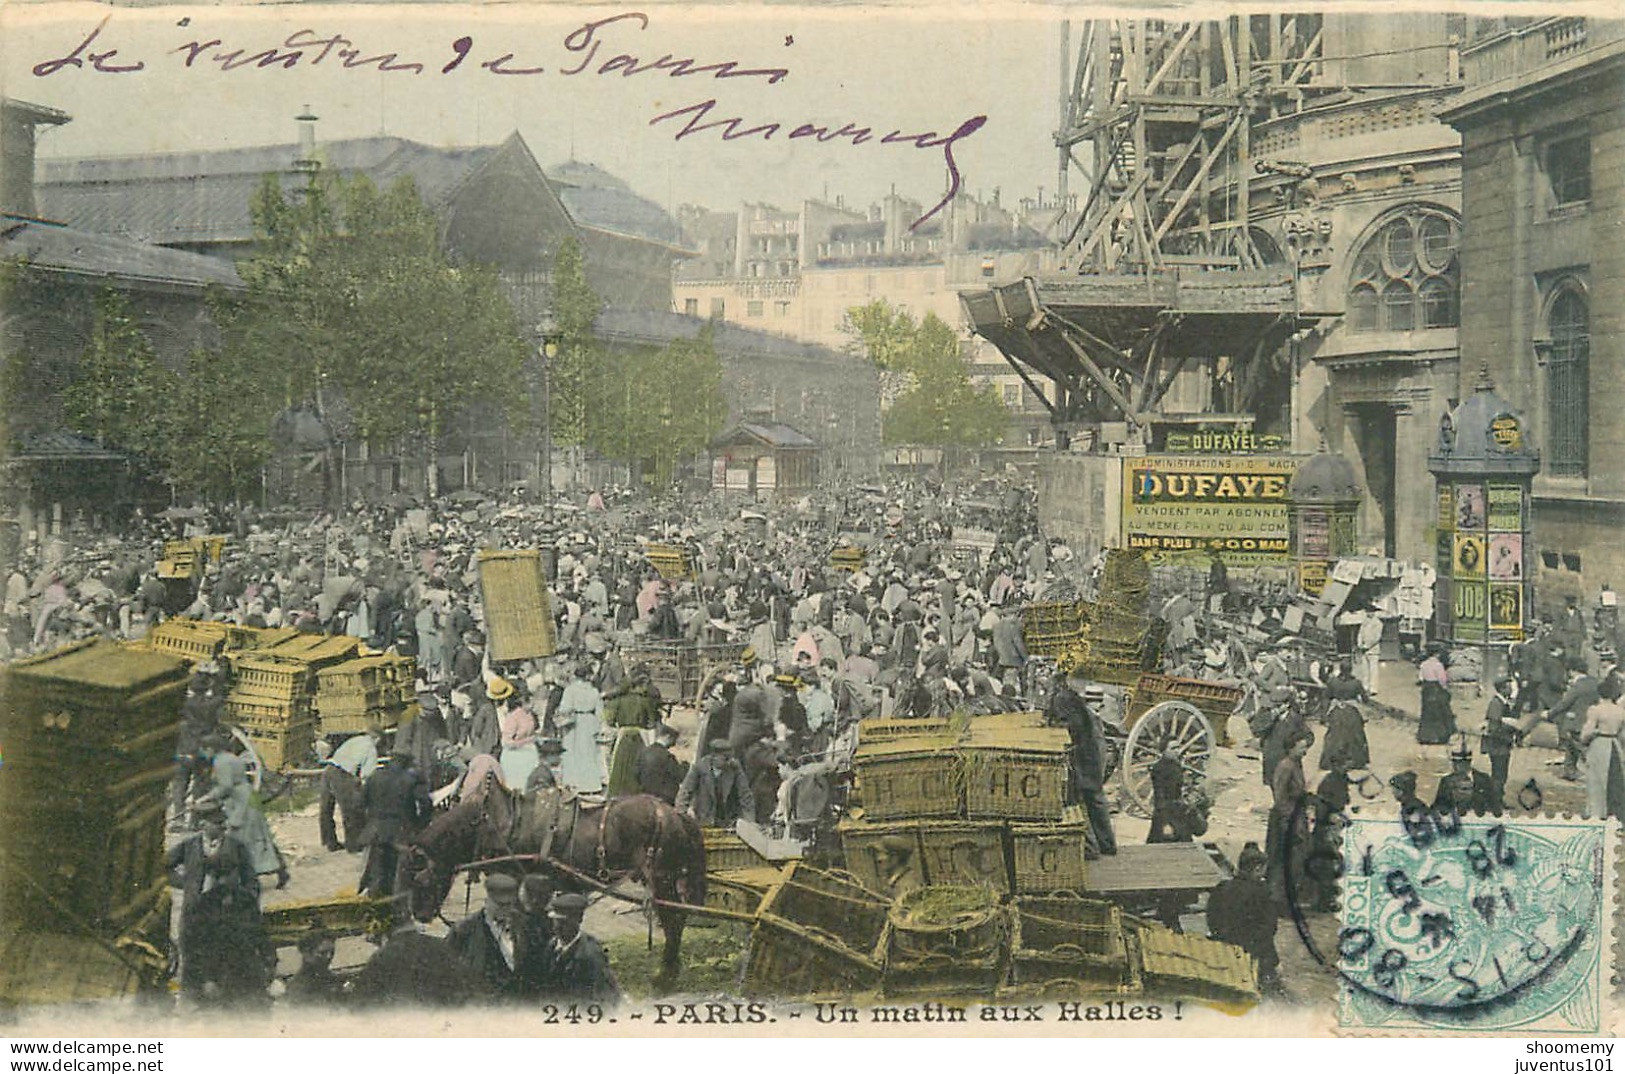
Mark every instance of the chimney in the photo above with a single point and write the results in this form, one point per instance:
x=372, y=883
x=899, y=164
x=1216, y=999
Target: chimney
x=306, y=160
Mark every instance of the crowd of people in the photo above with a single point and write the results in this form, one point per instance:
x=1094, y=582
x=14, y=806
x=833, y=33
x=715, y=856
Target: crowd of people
x=922, y=624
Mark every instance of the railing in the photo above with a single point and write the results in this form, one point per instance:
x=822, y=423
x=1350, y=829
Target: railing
x=1564, y=36
x=1525, y=49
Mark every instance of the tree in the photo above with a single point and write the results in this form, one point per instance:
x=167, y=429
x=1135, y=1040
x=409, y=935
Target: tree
x=925, y=387
x=657, y=406
x=351, y=291
x=576, y=308
x=122, y=395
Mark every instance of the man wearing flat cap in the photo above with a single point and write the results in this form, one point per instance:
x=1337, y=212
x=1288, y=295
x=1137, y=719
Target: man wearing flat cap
x=488, y=941
x=715, y=790
x=573, y=966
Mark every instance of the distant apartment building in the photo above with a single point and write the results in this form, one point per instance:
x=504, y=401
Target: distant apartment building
x=797, y=272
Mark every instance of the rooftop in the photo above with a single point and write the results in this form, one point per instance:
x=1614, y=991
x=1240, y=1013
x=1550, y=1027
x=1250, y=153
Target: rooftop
x=54, y=247
x=205, y=196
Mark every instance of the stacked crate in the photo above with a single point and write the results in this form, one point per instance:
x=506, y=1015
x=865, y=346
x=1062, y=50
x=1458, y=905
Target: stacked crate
x=981, y=804
x=270, y=699
x=89, y=735
x=1053, y=628
x=273, y=694
x=366, y=691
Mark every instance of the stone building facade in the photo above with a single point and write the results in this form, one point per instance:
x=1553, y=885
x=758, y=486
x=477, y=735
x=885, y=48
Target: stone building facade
x=1373, y=232
x=1543, y=306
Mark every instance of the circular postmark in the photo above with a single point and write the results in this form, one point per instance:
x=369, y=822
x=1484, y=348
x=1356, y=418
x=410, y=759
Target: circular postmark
x=1497, y=922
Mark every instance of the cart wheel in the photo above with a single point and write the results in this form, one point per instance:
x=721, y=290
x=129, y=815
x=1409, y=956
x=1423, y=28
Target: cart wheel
x=1177, y=722
x=251, y=758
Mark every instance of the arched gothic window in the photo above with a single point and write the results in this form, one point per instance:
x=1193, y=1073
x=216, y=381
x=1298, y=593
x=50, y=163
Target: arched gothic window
x=1407, y=275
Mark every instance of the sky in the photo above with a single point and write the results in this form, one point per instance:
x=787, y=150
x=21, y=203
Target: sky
x=923, y=76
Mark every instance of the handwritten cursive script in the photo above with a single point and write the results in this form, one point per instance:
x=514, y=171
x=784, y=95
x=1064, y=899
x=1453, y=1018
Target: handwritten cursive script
x=734, y=128
x=591, y=44
x=99, y=61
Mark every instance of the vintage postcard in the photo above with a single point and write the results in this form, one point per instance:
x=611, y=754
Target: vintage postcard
x=786, y=520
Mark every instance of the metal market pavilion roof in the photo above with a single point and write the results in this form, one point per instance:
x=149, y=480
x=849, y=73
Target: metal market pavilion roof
x=205, y=196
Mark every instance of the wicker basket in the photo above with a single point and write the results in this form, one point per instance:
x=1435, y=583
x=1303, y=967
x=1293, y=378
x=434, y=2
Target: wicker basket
x=1068, y=939
x=386, y=718
x=887, y=872
x=316, y=650
x=266, y=715
x=1179, y=964
x=833, y=904
x=518, y=614
x=965, y=854
x=670, y=562
x=962, y=923
x=1048, y=857
x=891, y=730
x=946, y=975
x=788, y=960
x=189, y=639
x=739, y=891
x=725, y=851
x=1014, y=784
x=913, y=777
x=89, y=736
x=848, y=559
x=265, y=675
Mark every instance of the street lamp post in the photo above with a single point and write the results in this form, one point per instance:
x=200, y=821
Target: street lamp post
x=548, y=337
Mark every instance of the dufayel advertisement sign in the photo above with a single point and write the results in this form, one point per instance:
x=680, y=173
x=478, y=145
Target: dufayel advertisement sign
x=1190, y=505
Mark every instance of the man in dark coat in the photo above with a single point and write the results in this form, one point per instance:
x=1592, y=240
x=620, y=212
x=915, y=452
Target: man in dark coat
x=1569, y=716
x=1088, y=773
x=715, y=790
x=659, y=773
x=1167, y=795
x=488, y=942
x=223, y=957
x=468, y=662
x=413, y=968
x=1241, y=912
x=1500, y=735
x=316, y=983
x=573, y=966
x=663, y=620
x=1465, y=790
x=396, y=800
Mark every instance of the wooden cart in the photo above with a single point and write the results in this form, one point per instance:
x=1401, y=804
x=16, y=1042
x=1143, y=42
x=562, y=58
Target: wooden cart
x=682, y=670
x=1162, y=710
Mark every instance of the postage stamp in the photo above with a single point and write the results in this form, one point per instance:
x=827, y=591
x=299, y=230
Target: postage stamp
x=1481, y=925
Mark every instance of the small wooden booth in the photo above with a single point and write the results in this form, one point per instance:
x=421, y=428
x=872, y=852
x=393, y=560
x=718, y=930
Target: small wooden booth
x=764, y=459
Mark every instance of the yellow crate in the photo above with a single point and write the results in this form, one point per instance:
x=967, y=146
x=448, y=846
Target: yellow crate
x=910, y=777
x=1072, y=940
x=889, y=872
x=1014, y=784
x=965, y=854
x=1048, y=857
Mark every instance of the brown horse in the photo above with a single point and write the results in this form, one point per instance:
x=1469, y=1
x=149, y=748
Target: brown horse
x=639, y=837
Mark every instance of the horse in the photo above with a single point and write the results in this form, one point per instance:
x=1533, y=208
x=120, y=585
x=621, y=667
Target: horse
x=639, y=836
